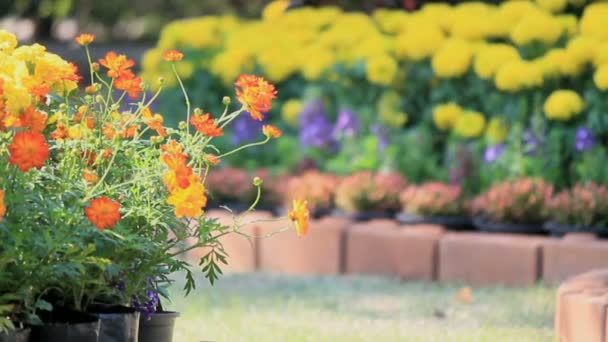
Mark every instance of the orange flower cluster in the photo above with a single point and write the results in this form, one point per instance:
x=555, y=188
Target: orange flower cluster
x=119, y=69
x=255, y=94
x=2, y=205
x=206, y=125
x=29, y=150
x=186, y=188
x=103, y=213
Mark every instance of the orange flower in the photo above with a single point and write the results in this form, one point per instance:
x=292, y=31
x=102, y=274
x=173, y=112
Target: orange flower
x=60, y=133
x=85, y=39
x=189, y=202
x=180, y=178
x=212, y=159
x=173, y=55
x=29, y=150
x=109, y=131
x=155, y=121
x=118, y=65
x=33, y=119
x=103, y=213
x=90, y=176
x=2, y=205
x=206, y=125
x=300, y=216
x=174, y=156
x=256, y=95
x=272, y=131
x=130, y=83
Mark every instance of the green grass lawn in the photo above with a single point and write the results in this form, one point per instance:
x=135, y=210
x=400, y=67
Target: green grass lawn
x=262, y=307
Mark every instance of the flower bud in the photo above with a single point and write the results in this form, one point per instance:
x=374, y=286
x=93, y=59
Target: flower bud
x=99, y=99
x=92, y=89
x=161, y=80
x=198, y=111
x=182, y=125
x=63, y=106
x=88, y=98
x=226, y=100
x=257, y=181
x=156, y=139
x=95, y=66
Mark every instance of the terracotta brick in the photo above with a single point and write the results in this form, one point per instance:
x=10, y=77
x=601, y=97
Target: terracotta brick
x=317, y=253
x=383, y=248
x=582, y=304
x=482, y=259
x=564, y=258
x=242, y=252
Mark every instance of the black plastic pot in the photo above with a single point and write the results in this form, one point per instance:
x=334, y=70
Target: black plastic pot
x=486, y=225
x=158, y=328
x=17, y=335
x=450, y=222
x=364, y=215
x=68, y=326
x=118, y=323
x=559, y=230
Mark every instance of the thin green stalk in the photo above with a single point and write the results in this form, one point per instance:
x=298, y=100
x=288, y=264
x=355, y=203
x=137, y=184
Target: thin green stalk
x=181, y=84
x=244, y=147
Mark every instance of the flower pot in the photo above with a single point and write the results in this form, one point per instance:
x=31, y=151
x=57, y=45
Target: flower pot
x=68, y=326
x=158, y=328
x=17, y=335
x=559, y=230
x=364, y=215
x=487, y=225
x=450, y=222
x=118, y=323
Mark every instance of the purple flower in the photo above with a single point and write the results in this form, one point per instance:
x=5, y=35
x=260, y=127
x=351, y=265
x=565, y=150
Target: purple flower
x=585, y=139
x=347, y=125
x=246, y=129
x=381, y=133
x=150, y=305
x=493, y=153
x=531, y=142
x=315, y=127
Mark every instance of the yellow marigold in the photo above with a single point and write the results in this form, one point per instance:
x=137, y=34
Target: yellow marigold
x=553, y=6
x=569, y=23
x=593, y=21
x=8, y=41
x=453, y=59
x=601, y=54
x=470, y=125
x=447, y=115
x=537, y=26
x=491, y=57
x=419, y=45
x=517, y=75
x=189, y=202
x=29, y=53
x=583, y=48
x=560, y=62
x=601, y=77
x=381, y=70
x=291, y=111
x=497, y=131
x=563, y=105
x=275, y=9
x=319, y=62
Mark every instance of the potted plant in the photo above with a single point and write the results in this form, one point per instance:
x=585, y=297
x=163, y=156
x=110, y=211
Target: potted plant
x=231, y=187
x=98, y=198
x=435, y=203
x=516, y=206
x=582, y=208
x=317, y=188
x=366, y=195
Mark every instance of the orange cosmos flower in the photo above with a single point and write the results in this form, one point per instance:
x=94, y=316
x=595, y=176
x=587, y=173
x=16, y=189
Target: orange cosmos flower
x=60, y=133
x=118, y=65
x=33, y=119
x=212, y=159
x=206, y=125
x=300, y=216
x=2, y=205
x=256, y=95
x=90, y=176
x=272, y=131
x=189, y=202
x=85, y=39
x=29, y=150
x=180, y=178
x=130, y=83
x=173, y=55
x=155, y=121
x=103, y=213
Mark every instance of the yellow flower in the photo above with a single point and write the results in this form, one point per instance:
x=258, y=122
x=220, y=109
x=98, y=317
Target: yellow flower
x=470, y=125
x=497, y=131
x=563, y=105
x=492, y=57
x=319, y=62
x=560, y=62
x=601, y=54
x=569, y=23
x=517, y=75
x=275, y=9
x=447, y=115
x=593, y=21
x=583, y=48
x=291, y=111
x=8, y=41
x=381, y=70
x=553, y=6
x=419, y=45
x=601, y=77
x=537, y=26
x=189, y=202
x=453, y=59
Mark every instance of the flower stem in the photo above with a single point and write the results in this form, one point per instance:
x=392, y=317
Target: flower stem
x=181, y=84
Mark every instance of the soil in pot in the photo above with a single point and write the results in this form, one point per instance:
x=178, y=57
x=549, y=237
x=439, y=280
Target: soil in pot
x=118, y=323
x=66, y=326
x=158, y=327
x=450, y=222
x=17, y=335
x=559, y=230
x=487, y=225
x=364, y=215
